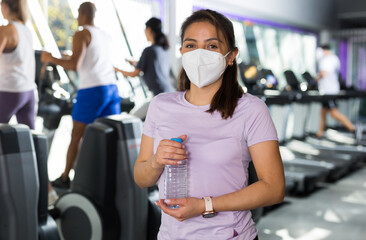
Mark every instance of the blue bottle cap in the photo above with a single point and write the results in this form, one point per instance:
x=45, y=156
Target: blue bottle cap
x=177, y=139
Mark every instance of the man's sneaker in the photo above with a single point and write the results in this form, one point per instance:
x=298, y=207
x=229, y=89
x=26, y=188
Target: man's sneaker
x=52, y=197
x=359, y=132
x=61, y=183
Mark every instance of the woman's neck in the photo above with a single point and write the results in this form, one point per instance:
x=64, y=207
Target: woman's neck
x=151, y=39
x=202, y=96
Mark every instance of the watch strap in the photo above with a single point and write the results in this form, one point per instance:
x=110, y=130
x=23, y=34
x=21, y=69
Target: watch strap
x=208, y=204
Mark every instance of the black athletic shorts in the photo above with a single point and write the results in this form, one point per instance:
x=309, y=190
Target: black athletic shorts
x=329, y=104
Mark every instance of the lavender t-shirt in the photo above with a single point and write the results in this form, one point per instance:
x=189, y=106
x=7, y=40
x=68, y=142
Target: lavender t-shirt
x=218, y=159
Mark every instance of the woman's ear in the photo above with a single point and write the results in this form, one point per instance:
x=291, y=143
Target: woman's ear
x=232, y=56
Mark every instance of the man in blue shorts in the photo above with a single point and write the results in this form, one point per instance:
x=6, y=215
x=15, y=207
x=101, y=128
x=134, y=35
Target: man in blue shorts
x=98, y=93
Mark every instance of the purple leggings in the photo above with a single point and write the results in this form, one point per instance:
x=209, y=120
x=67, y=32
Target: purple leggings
x=20, y=104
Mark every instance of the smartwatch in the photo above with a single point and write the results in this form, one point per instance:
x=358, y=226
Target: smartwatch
x=209, y=211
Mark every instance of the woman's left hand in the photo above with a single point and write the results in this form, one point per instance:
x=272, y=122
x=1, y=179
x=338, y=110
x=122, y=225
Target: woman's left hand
x=188, y=207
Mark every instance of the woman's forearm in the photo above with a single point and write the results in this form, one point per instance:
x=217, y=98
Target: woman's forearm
x=146, y=174
x=258, y=194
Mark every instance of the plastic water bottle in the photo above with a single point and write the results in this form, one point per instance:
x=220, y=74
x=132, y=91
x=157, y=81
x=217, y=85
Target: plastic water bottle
x=176, y=180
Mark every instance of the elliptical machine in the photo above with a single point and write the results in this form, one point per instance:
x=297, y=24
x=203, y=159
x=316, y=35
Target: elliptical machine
x=104, y=201
x=24, y=184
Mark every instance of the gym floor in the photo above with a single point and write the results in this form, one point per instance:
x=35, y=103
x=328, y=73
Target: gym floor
x=335, y=211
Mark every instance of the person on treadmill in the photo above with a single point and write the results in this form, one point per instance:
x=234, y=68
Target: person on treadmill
x=328, y=83
x=98, y=94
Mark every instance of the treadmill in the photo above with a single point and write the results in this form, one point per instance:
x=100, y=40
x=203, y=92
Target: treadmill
x=301, y=177
x=290, y=150
x=306, y=172
x=301, y=113
x=340, y=134
x=344, y=161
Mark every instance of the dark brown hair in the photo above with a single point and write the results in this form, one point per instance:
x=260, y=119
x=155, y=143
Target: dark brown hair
x=159, y=37
x=325, y=46
x=226, y=98
x=19, y=8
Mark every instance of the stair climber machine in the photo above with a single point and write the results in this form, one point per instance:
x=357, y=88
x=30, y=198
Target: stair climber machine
x=104, y=201
x=24, y=186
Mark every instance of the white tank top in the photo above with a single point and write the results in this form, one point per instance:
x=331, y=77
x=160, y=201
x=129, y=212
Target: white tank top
x=17, y=68
x=329, y=84
x=97, y=67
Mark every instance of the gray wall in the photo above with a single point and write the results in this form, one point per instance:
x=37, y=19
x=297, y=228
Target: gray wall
x=351, y=6
x=351, y=13
x=310, y=14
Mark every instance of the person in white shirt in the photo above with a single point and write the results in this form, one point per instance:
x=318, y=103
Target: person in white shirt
x=17, y=70
x=328, y=84
x=17, y=65
x=98, y=94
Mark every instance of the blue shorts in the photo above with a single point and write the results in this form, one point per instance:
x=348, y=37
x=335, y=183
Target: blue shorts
x=95, y=102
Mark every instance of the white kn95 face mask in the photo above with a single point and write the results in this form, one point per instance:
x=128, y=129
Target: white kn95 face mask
x=203, y=67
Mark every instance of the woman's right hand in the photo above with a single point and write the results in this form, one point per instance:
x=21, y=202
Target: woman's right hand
x=169, y=152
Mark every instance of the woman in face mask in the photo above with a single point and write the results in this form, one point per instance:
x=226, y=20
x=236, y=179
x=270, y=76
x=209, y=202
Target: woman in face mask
x=222, y=130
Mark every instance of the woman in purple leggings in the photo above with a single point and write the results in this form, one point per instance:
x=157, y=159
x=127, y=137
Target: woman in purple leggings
x=17, y=65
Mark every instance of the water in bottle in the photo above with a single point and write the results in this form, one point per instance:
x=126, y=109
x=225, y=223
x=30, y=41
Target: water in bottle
x=176, y=180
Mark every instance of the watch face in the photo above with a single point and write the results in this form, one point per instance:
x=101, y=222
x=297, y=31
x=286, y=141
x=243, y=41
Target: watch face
x=208, y=214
